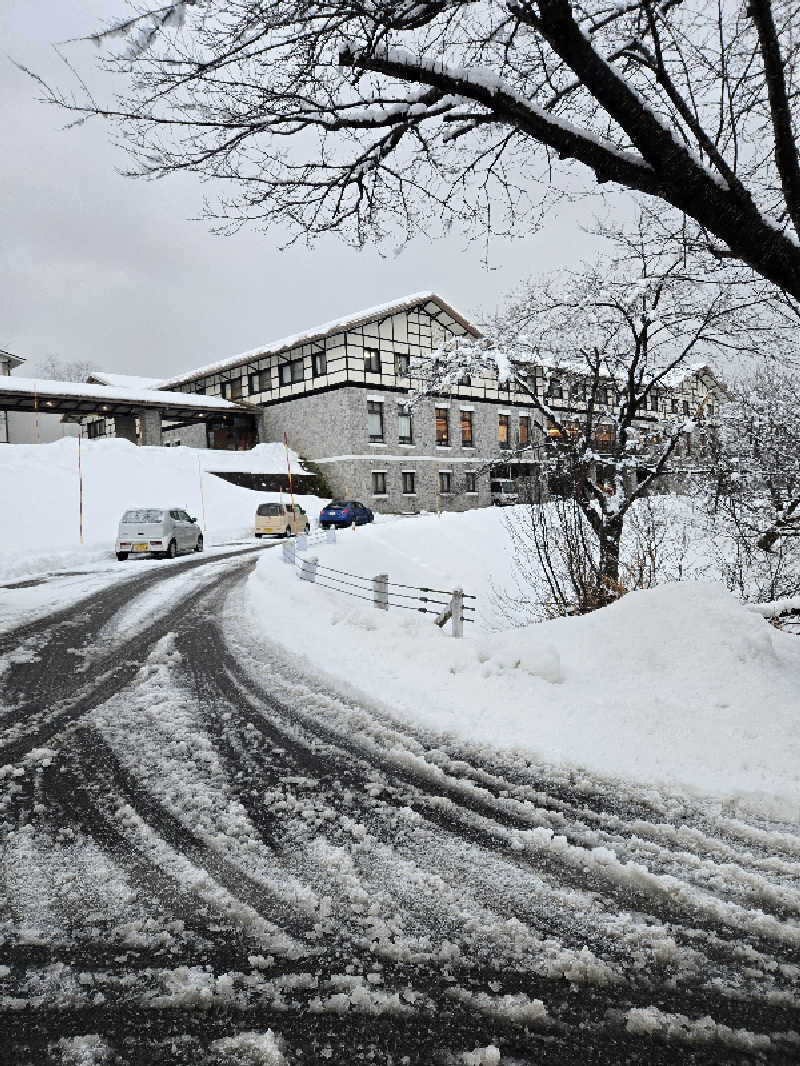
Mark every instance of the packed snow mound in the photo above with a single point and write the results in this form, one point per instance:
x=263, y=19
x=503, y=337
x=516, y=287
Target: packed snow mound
x=39, y=490
x=679, y=684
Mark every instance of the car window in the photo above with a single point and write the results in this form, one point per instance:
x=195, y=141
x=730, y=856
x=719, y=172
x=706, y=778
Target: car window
x=265, y=509
x=184, y=516
x=338, y=503
x=143, y=514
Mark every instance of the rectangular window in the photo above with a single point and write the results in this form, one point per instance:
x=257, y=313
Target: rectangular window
x=223, y=389
x=445, y=482
x=577, y=391
x=502, y=432
x=253, y=383
x=442, y=426
x=653, y=401
x=466, y=430
x=405, y=426
x=402, y=365
x=674, y=406
x=378, y=482
x=292, y=372
x=375, y=420
x=234, y=391
x=96, y=428
x=686, y=407
x=524, y=430
x=471, y=479
x=555, y=392
x=200, y=390
x=409, y=479
x=465, y=380
x=319, y=364
x=372, y=361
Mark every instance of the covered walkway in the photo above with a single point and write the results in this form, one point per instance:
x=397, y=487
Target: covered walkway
x=152, y=407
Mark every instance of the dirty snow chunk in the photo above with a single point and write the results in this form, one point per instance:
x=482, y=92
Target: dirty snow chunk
x=644, y=1021
x=252, y=1049
x=89, y=1050
x=482, y=1056
x=517, y=1008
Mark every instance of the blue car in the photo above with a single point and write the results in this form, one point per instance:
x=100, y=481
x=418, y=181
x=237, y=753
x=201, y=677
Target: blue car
x=344, y=513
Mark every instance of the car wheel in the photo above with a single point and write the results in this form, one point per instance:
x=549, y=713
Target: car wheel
x=122, y=556
x=172, y=550
x=199, y=546
x=288, y=532
x=259, y=536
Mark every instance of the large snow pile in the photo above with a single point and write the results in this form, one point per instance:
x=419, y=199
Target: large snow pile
x=39, y=490
x=679, y=684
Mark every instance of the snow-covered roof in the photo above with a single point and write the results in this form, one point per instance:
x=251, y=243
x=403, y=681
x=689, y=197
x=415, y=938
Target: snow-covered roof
x=338, y=325
x=12, y=360
x=123, y=381
x=46, y=387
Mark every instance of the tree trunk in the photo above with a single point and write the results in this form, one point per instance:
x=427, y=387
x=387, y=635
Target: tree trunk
x=609, y=563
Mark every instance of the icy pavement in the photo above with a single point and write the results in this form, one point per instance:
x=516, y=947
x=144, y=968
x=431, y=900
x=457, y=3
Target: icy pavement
x=206, y=859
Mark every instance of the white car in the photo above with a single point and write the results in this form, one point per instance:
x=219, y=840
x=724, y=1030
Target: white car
x=163, y=533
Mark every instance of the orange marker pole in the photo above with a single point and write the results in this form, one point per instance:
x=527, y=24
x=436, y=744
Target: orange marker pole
x=80, y=491
x=291, y=490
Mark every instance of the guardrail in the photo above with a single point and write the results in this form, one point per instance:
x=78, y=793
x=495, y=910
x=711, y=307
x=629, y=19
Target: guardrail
x=447, y=605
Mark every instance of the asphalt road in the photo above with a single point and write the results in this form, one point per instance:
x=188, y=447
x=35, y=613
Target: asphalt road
x=210, y=857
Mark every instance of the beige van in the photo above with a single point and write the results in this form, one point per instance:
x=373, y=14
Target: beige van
x=279, y=520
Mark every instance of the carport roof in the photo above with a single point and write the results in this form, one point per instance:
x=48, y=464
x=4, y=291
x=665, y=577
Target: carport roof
x=76, y=398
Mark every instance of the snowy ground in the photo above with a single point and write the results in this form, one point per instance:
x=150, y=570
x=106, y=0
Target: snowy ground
x=679, y=684
x=208, y=857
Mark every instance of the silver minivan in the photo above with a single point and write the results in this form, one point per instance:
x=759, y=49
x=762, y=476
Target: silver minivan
x=162, y=533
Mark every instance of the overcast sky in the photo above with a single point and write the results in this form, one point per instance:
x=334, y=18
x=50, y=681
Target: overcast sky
x=95, y=266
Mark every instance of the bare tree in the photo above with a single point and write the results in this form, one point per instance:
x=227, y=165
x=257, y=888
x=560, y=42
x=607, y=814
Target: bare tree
x=62, y=370
x=351, y=115
x=599, y=355
x=756, y=484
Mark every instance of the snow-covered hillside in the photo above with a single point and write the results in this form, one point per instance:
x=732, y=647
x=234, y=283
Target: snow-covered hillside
x=678, y=684
x=39, y=525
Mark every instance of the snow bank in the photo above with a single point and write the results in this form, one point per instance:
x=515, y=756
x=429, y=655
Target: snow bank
x=680, y=684
x=41, y=481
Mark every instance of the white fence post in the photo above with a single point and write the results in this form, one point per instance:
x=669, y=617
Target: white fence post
x=380, y=591
x=288, y=552
x=301, y=542
x=330, y=535
x=307, y=571
x=457, y=608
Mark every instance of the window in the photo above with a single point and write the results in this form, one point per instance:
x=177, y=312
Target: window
x=502, y=431
x=653, y=401
x=443, y=426
x=292, y=372
x=466, y=430
x=524, y=430
x=577, y=391
x=378, y=482
x=605, y=437
x=686, y=407
x=471, y=479
x=555, y=392
x=375, y=420
x=96, y=428
x=372, y=361
x=231, y=390
x=402, y=365
x=253, y=383
x=200, y=390
x=319, y=364
x=405, y=426
x=409, y=483
x=674, y=406
x=465, y=379
x=445, y=482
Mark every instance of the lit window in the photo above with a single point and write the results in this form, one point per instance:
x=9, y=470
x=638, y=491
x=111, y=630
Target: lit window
x=445, y=482
x=378, y=482
x=524, y=430
x=466, y=430
x=502, y=431
x=442, y=426
x=409, y=479
x=372, y=361
x=375, y=420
